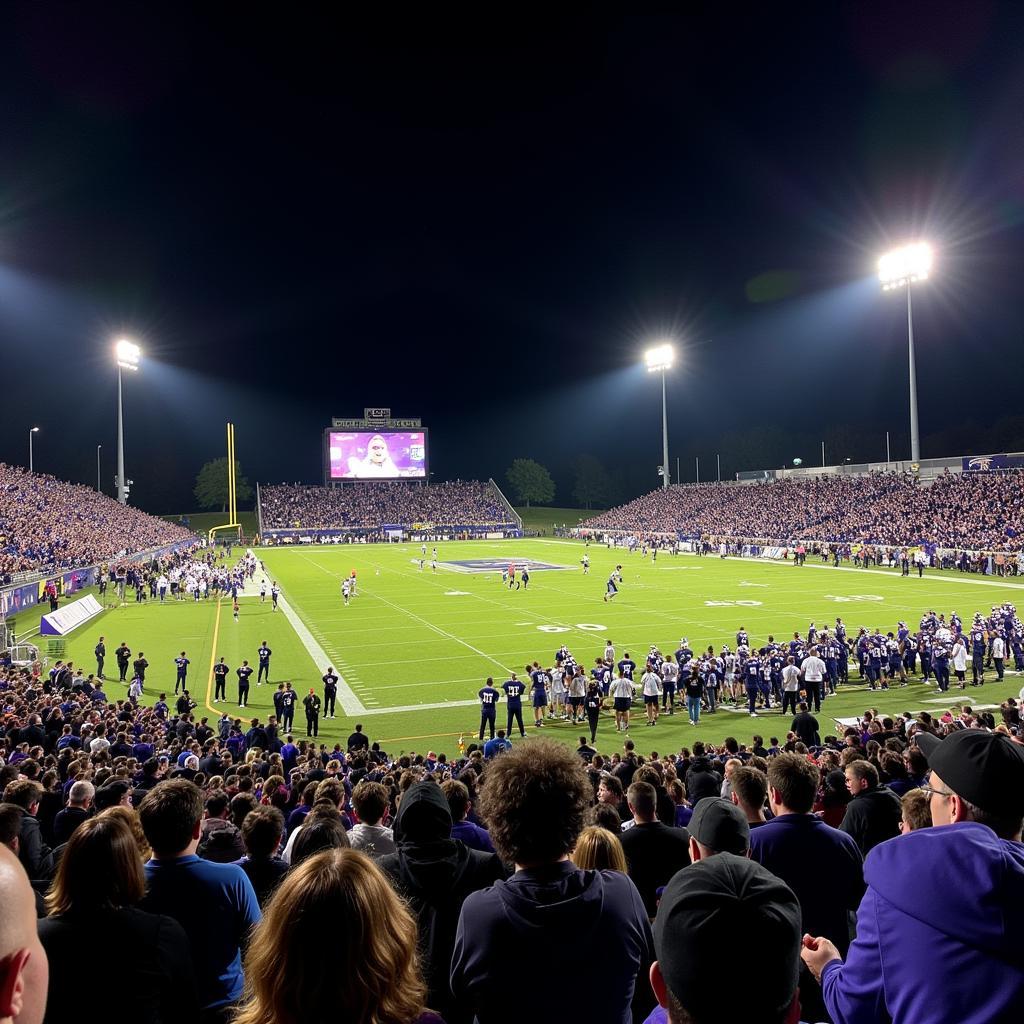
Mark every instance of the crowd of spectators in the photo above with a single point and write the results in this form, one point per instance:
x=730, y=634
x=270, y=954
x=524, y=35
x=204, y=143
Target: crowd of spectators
x=218, y=857
x=48, y=525
x=963, y=511
x=372, y=505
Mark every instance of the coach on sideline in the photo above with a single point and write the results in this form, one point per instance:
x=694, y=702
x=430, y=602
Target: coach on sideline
x=940, y=937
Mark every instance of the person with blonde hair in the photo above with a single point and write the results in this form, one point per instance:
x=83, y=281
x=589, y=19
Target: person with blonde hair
x=130, y=817
x=93, y=905
x=372, y=975
x=597, y=849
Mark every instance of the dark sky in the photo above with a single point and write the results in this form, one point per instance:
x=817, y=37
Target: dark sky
x=483, y=218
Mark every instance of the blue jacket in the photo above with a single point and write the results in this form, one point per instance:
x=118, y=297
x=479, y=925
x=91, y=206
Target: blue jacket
x=940, y=937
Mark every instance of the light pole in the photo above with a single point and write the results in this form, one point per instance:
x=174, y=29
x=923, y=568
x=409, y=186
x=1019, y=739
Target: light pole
x=127, y=353
x=898, y=269
x=660, y=359
x=98, y=488
x=34, y=430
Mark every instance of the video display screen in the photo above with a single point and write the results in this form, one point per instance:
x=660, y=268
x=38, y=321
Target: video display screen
x=376, y=455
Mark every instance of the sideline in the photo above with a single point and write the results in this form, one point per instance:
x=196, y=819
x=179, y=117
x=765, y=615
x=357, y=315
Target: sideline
x=213, y=661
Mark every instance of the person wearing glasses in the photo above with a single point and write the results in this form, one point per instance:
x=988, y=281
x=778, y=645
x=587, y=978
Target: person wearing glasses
x=937, y=937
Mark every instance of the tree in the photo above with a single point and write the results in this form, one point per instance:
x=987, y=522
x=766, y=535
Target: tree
x=593, y=484
x=530, y=481
x=211, y=488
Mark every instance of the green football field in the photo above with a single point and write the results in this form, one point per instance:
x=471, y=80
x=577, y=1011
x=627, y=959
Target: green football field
x=415, y=645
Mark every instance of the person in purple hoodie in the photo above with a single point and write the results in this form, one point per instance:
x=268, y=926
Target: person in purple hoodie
x=475, y=837
x=939, y=934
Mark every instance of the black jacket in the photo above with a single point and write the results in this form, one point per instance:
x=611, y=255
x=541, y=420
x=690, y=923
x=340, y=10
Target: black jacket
x=155, y=982
x=36, y=857
x=872, y=817
x=702, y=780
x=805, y=725
x=654, y=853
x=436, y=873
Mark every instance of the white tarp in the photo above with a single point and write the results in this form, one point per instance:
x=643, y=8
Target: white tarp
x=64, y=620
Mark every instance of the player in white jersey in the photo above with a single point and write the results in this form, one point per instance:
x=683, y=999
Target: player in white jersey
x=609, y=652
x=263, y=592
x=346, y=590
x=556, y=707
x=585, y=562
x=622, y=695
x=651, y=686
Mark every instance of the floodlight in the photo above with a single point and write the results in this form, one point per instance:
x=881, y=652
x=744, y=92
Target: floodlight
x=128, y=354
x=659, y=358
x=34, y=430
x=905, y=265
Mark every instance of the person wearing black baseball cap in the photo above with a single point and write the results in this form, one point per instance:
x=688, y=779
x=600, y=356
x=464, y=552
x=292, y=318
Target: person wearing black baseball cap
x=702, y=911
x=938, y=938
x=718, y=826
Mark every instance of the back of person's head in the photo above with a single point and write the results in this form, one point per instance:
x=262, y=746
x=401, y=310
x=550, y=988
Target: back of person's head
x=130, y=817
x=242, y=805
x=703, y=909
x=373, y=971
x=81, y=792
x=751, y=787
x=457, y=795
x=100, y=869
x=10, y=823
x=642, y=799
x=262, y=830
x=331, y=789
x=606, y=816
x=170, y=814
x=216, y=804
x=24, y=793
x=534, y=799
x=796, y=781
x=917, y=811
x=718, y=826
x=370, y=801
x=316, y=836
x=23, y=966
x=598, y=849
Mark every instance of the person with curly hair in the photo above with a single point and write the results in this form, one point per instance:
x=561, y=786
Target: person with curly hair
x=535, y=800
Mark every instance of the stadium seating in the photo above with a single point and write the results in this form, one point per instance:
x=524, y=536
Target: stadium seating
x=48, y=525
x=371, y=505
x=974, y=511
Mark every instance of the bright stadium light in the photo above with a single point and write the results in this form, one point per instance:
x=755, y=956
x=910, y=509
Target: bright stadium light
x=658, y=360
x=128, y=355
x=34, y=430
x=898, y=269
x=905, y=265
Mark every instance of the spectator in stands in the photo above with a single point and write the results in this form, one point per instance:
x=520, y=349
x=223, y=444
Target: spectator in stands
x=598, y=849
x=718, y=826
x=475, y=837
x=320, y=832
x=221, y=840
x=262, y=831
x=370, y=802
x=535, y=799
x=436, y=874
x=23, y=965
x=79, y=808
x=214, y=903
x=874, y=813
x=372, y=972
x=36, y=857
x=703, y=911
x=701, y=778
x=93, y=905
x=749, y=793
x=805, y=725
x=973, y=863
x=822, y=865
x=654, y=851
x=917, y=811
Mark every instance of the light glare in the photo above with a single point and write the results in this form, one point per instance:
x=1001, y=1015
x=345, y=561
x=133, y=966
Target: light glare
x=660, y=357
x=905, y=265
x=128, y=354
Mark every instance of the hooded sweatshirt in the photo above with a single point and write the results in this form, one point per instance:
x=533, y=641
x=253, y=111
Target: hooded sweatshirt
x=940, y=937
x=583, y=921
x=435, y=873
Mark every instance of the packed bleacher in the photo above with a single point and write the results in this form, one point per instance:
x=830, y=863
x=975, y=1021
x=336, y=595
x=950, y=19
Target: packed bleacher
x=48, y=525
x=223, y=857
x=972, y=511
x=372, y=505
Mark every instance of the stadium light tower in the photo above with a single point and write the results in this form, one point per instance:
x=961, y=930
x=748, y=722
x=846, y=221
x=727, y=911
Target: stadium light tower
x=34, y=430
x=128, y=354
x=900, y=269
x=660, y=359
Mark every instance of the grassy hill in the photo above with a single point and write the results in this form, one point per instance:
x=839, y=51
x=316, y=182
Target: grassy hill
x=539, y=517
x=202, y=522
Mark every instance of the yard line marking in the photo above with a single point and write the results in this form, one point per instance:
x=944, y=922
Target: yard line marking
x=347, y=698
x=423, y=707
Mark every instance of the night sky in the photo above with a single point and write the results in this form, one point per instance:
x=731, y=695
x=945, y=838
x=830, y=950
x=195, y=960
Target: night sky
x=483, y=218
